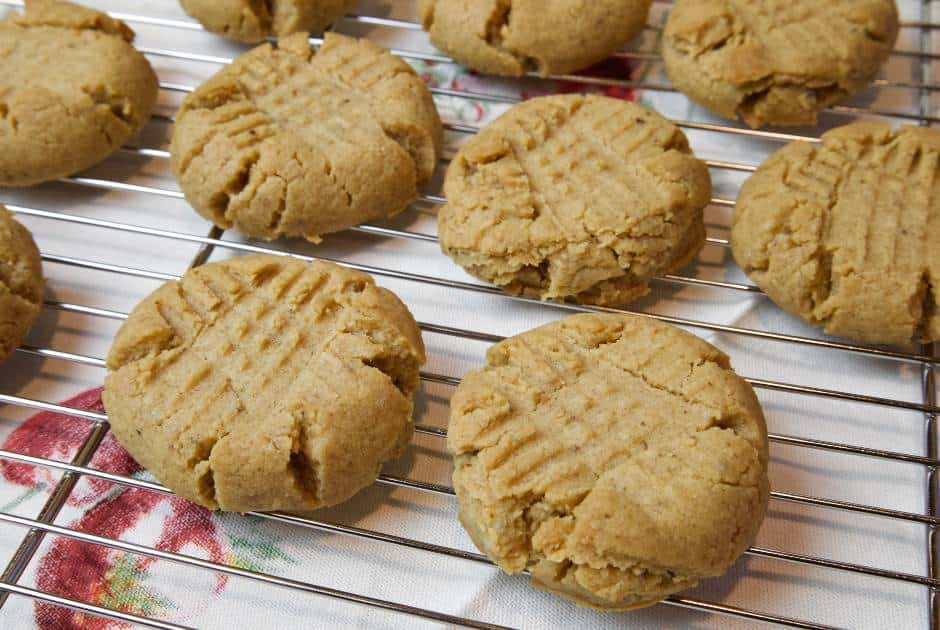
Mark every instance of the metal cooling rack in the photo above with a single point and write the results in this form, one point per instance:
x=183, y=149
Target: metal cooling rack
x=924, y=360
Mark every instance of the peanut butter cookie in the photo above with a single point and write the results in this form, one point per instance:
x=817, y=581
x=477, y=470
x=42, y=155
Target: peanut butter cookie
x=290, y=142
x=512, y=37
x=251, y=21
x=776, y=62
x=617, y=458
x=265, y=383
x=845, y=233
x=21, y=283
x=586, y=197
x=72, y=91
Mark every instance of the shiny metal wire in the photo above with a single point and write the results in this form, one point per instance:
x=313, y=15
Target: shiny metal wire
x=43, y=525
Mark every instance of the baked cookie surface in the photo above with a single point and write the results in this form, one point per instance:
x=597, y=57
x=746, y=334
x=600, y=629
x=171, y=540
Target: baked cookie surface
x=846, y=234
x=776, y=62
x=72, y=91
x=291, y=142
x=575, y=196
x=617, y=458
x=265, y=383
x=21, y=283
x=250, y=21
x=512, y=37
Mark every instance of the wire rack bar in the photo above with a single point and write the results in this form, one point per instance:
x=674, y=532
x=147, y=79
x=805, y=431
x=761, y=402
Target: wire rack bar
x=586, y=79
x=30, y=543
x=756, y=551
x=440, y=432
x=426, y=198
x=388, y=480
x=411, y=54
x=495, y=98
x=437, y=431
x=449, y=551
x=85, y=607
x=37, y=528
x=436, y=199
x=414, y=26
x=165, y=155
x=932, y=433
x=53, y=505
x=386, y=231
x=467, y=334
x=265, y=578
x=465, y=286
x=931, y=428
x=40, y=405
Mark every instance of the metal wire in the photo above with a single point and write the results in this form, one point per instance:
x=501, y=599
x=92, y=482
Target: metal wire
x=465, y=286
x=928, y=384
x=438, y=489
x=926, y=358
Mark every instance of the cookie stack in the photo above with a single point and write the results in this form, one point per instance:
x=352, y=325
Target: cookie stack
x=617, y=459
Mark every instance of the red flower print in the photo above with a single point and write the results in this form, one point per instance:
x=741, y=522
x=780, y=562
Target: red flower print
x=79, y=570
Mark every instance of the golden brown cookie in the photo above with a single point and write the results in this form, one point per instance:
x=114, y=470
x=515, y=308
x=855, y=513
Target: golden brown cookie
x=586, y=197
x=21, y=283
x=512, y=37
x=265, y=383
x=251, y=21
x=617, y=458
x=72, y=91
x=291, y=142
x=776, y=62
x=846, y=234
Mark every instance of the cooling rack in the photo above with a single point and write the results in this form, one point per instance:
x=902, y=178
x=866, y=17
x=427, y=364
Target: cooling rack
x=877, y=416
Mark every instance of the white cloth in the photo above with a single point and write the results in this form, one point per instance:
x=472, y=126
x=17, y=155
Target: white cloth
x=192, y=597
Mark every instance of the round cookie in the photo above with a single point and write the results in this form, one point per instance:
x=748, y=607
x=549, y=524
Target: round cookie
x=513, y=37
x=586, y=197
x=291, y=142
x=617, y=458
x=845, y=233
x=251, y=21
x=265, y=383
x=72, y=91
x=21, y=283
x=776, y=62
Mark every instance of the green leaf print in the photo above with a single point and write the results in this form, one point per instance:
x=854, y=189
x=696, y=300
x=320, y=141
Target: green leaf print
x=255, y=548
x=125, y=590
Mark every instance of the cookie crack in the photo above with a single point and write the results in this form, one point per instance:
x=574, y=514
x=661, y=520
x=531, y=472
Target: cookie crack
x=752, y=98
x=824, y=256
x=221, y=203
x=928, y=308
x=205, y=482
x=331, y=175
x=388, y=365
x=721, y=422
x=497, y=22
x=118, y=105
x=399, y=367
x=636, y=566
x=21, y=292
x=539, y=208
x=303, y=470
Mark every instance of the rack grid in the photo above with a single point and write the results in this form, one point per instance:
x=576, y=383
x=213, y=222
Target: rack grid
x=923, y=359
